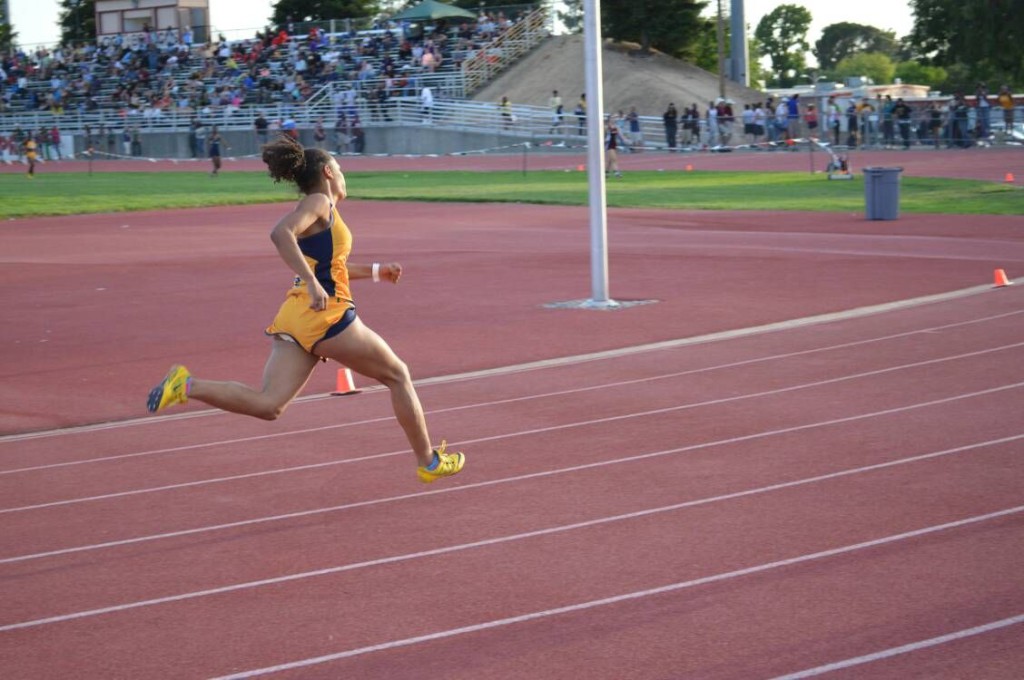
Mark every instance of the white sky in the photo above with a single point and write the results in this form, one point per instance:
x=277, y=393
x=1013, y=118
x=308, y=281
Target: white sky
x=35, y=20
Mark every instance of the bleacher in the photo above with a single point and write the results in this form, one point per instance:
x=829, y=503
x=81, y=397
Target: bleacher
x=156, y=82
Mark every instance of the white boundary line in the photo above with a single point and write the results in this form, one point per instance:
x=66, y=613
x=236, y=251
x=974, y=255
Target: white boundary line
x=636, y=595
x=596, y=421
x=904, y=649
x=506, y=480
x=493, y=541
x=561, y=361
x=602, y=386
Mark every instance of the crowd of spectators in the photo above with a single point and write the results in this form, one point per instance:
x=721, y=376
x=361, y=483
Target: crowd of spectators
x=152, y=72
x=877, y=122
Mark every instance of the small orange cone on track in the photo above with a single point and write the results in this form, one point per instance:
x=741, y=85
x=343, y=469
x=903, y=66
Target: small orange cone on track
x=1001, y=279
x=345, y=385
x=1009, y=178
x=689, y=168
x=579, y=168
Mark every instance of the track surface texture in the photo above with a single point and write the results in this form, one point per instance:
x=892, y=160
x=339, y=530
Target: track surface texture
x=801, y=458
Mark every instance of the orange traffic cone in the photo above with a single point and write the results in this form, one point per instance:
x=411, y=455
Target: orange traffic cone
x=1009, y=178
x=579, y=168
x=345, y=385
x=1001, y=279
x=689, y=168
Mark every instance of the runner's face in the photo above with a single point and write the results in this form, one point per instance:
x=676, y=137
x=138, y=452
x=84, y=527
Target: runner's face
x=338, y=187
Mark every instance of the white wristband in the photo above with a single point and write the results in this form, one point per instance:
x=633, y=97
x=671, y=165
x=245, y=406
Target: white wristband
x=376, y=272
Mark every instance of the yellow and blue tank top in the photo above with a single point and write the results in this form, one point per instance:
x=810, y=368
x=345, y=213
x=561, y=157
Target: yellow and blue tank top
x=327, y=254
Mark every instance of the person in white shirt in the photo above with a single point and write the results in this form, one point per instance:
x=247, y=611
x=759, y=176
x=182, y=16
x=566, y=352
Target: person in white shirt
x=427, y=102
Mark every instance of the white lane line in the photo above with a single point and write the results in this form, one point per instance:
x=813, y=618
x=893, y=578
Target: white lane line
x=552, y=428
x=636, y=595
x=497, y=540
x=494, y=482
x=562, y=361
x=904, y=649
x=499, y=402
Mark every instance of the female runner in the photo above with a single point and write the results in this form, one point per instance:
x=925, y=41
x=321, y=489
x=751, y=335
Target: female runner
x=317, y=320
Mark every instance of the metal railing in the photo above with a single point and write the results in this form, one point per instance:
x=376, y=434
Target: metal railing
x=518, y=123
x=505, y=50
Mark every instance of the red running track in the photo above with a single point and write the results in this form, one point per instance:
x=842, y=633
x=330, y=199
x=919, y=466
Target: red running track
x=760, y=492
x=842, y=494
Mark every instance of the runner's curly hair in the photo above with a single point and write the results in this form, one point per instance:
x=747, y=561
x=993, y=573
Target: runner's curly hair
x=288, y=161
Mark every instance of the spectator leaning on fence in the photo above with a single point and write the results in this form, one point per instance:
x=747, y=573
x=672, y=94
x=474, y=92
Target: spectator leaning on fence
x=1005, y=100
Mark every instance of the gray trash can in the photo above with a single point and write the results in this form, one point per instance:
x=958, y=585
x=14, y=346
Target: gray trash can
x=882, y=193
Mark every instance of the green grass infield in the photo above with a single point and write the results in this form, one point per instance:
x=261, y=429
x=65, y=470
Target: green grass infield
x=79, y=193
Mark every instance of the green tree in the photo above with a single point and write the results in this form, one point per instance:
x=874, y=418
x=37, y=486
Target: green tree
x=8, y=38
x=77, y=20
x=706, y=51
x=875, y=65
x=984, y=36
x=321, y=10
x=783, y=34
x=845, y=39
x=570, y=14
x=671, y=26
x=915, y=73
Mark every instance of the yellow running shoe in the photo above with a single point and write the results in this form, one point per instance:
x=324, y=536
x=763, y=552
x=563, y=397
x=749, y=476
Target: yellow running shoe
x=171, y=390
x=448, y=465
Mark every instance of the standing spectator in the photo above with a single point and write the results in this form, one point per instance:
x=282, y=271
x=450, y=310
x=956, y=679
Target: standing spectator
x=55, y=141
x=712, y=121
x=835, y=115
x=1005, y=100
x=262, y=126
x=748, y=123
x=320, y=135
x=341, y=134
x=136, y=141
x=725, y=121
x=44, y=144
x=557, y=112
x=888, y=125
x=5, y=155
x=793, y=116
x=507, y=118
x=811, y=119
x=581, y=115
x=671, y=121
x=214, y=143
x=358, y=136
x=935, y=124
x=427, y=102
x=853, y=124
x=959, y=116
x=111, y=139
x=636, y=135
x=781, y=122
x=88, y=141
x=199, y=134
x=126, y=141
x=18, y=139
x=983, y=109
x=691, y=125
x=759, y=120
x=901, y=112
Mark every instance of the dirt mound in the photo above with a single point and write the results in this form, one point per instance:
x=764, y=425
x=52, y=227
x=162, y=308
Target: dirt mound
x=648, y=82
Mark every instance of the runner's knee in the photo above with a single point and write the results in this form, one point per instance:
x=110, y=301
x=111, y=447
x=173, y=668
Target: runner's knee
x=269, y=409
x=394, y=373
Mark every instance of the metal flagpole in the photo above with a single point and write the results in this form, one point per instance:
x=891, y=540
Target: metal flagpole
x=595, y=156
